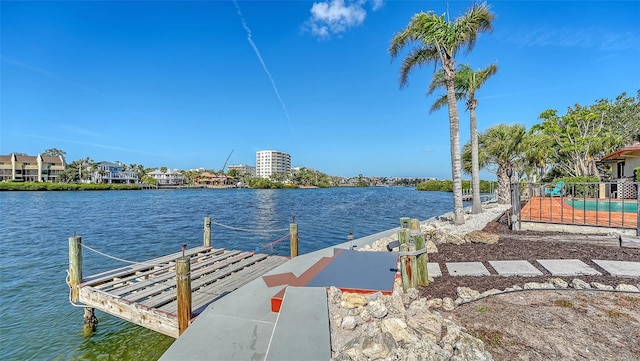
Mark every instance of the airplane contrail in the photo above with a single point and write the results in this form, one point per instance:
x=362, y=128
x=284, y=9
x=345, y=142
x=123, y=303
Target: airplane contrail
x=264, y=66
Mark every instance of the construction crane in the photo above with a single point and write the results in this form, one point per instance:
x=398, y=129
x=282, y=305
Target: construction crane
x=225, y=162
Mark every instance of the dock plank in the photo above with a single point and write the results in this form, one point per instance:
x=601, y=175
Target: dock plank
x=207, y=294
x=96, y=279
x=154, y=272
x=166, y=297
x=164, y=284
x=132, y=287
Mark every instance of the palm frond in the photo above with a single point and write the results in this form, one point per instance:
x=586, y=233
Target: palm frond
x=418, y=57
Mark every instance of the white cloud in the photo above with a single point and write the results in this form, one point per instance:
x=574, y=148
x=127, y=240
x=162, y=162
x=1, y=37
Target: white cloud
x=377, y=4
x=334, y=17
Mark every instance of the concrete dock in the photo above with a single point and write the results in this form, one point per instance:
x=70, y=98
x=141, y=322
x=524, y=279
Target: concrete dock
x=240, y=326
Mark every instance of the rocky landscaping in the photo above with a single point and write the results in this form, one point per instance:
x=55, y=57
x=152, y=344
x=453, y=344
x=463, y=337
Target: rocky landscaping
x=455, y=319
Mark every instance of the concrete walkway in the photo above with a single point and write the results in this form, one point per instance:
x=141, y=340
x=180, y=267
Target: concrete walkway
x=241, y=326
x=557, y=267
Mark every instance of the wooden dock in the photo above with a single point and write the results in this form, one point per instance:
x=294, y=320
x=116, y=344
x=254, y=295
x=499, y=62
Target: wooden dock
x=145, y=293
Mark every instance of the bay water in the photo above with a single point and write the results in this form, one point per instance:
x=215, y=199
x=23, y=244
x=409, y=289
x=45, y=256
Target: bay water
x=37, y=322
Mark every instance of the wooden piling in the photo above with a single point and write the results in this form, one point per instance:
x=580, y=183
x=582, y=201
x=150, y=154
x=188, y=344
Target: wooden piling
x=414, y=224
x=183, y=279
x=207, y=231
x=421, y=259
x=75, y=266
x=408, y=267
x=293, y=237
x=403, y=236
x=90, y=321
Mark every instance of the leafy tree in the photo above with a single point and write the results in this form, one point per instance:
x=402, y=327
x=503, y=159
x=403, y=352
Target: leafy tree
x=190, y=176
x=466, y=81
x=586, y=133
x=163, y=169
x=54, y=152
x=438, y=42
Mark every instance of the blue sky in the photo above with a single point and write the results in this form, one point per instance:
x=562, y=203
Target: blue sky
x=182, y=84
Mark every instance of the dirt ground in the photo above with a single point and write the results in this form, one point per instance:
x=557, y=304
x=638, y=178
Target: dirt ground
x=544, y=324
x=555, y=325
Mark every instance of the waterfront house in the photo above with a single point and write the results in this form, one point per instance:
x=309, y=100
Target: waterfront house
x=208, y=179
x=623, y=163
x=170, y=177
x=113, y=173
x=27, y=168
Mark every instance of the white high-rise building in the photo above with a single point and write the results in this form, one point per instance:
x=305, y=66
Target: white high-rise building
x=270, y=162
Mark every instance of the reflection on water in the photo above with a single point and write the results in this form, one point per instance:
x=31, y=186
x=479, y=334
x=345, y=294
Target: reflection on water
x=38, y=323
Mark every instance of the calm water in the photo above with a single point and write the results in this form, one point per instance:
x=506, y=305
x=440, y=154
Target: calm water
x=38, y=323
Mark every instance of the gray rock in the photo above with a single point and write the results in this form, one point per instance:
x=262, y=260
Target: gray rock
x=579, y=284
x=434, y=303
x=334, y=295
x=453, y=332
x=364, y=317
x=538, y=286
x=481, y=237
x=431, y=246
x=447, y=304
x=413, y=293
x=470, y=348
x=627, y=288
x=467, y=294
x=397, y=328
x=379, y=346
x=425, y=323
x=377, y=309
x=559, y=282
x=601, y=286
x=349, y=323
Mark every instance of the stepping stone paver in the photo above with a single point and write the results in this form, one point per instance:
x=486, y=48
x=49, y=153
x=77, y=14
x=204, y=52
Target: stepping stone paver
x=433, y=268
x=567, y=267
x=515, y=268
x=467, y=269
x=620, y=268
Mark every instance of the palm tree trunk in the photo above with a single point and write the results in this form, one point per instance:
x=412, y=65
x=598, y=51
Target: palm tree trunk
x=504, y=185
x=454, y=130
x=475, y=164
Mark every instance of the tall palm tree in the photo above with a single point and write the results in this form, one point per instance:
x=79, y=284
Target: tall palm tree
x=466, y=81
x=439, y=41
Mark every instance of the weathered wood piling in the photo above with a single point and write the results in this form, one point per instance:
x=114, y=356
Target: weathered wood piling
x=413, y=254
x=183, y=280
x=293, y=239
x=207, y=232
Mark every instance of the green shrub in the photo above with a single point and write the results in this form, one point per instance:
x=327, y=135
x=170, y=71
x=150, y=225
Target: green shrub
x=580, y=187
x=49, y=186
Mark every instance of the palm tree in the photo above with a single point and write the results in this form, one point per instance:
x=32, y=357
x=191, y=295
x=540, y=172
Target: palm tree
x=501, y=145
x=439, y=41
x=466, y=81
